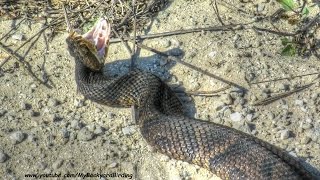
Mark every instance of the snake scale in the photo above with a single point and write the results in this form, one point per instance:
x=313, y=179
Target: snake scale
x=226, y=152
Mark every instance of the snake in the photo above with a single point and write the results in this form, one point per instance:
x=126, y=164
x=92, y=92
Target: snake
x=226, y=152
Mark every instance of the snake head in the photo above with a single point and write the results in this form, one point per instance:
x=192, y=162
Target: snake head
x=91, y=48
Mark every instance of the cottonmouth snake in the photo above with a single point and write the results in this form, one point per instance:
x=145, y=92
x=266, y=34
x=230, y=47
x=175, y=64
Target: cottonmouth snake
x=226, y=152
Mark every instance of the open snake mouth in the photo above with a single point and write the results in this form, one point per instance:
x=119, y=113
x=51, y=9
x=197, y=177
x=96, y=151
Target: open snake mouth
x=99, y=35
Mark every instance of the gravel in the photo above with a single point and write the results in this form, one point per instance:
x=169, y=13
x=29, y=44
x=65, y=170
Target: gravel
x=75, y=124
x=57, y=164
x=128, y=130
x=3, y=157
x=284, y=134
x=236, y=117
x=85, y=135
x=18, y=36
x=17, y=137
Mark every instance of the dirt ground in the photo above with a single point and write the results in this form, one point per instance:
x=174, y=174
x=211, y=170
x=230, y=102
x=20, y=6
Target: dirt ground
x=53, y=129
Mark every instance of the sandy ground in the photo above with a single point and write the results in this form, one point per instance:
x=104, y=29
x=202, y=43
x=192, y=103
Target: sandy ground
x=55, y=130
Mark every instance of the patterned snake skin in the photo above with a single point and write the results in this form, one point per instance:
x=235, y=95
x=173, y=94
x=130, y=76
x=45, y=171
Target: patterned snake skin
x=226, y=152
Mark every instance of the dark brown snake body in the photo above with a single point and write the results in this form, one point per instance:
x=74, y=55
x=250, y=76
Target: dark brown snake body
x=228, y=153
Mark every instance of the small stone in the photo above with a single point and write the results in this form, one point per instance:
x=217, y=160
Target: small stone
x=91, y=127
x=17, y=137
x=227, y=99
x=3, y=157
x=270, y=116
x=284, y=134
x=236, y=117
x=164, y=158
x=250, y=77
x=110, y=115
x=18, y=36
x=33, y=113
x=85, y=135
x=65, y=133
x=212, y=54
x=284, y=87
x=32, y=138
x=57, y=164
x=306, y=126
x=305, y=140
x=236, y=37
x=42, y=165
x=53, y=102
x=219, y=105
x=2, y=112
x=249, y=117
x=227, y=111
x=25, y=106
x=128, y=130
x=195, y=86
x=165, y=43
x=54, y=117
x=75, y=124
x=260, y=7
x=99, y=130
x=78, y=103
x=298, y=102
x=175, y=43
x=113, y=165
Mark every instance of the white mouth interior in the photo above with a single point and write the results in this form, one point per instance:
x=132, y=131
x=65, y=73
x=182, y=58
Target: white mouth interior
x=99, y=35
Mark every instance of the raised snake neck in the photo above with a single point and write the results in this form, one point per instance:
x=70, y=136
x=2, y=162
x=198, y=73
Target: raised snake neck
x=226, y=152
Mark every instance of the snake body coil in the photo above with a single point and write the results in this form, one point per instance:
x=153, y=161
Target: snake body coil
x=226, y=152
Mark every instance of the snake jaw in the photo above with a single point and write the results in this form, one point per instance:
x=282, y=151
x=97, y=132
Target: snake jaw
x=99, y=35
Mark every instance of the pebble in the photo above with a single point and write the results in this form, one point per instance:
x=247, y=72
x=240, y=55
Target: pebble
x=284, y=134
x=113, y=165
x=128, y=130
x=32, y=138
x=110, y=115
x=25, y=106
x=219, y=105
x=227, y=112
x=57, y=164
x=42, y=165
x=3, y=157
x=2, y=112
x=65, y=133
x=18, y=36
x=175, y=43
x=78, y=103
x=212, y=54
x=250, y=77
x=85, y=135
x=99, y=130
x=306, y=126
x=314, y=134
x=53, y=102
x=284, y=87
x=164, y=158
x=236, y=117
x=270, y=116
x=305, y=140
x=33, y=113
x=249, y=117
x=298, y=102
x=17, y=137
x=227, y=99
x=75, y=124
x=260, y=7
